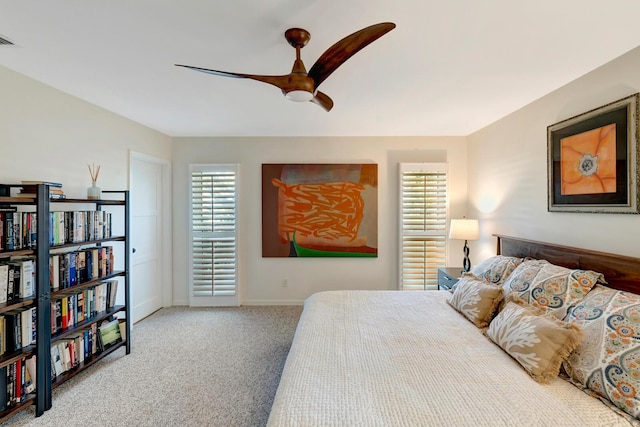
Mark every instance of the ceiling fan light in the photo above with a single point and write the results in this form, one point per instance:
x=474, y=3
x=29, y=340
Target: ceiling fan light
x=299, y=95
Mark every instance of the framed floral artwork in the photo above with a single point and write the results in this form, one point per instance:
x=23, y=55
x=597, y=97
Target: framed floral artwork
x=593, y=160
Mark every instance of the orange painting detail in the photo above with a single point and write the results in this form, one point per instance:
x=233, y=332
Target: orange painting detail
x=324, y=214
x=588, y=162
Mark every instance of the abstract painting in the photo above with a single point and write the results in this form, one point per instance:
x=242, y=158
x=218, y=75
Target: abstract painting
x=320, y=210
x=593, y=160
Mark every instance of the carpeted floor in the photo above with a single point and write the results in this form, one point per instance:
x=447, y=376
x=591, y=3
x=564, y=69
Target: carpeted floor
x=187, y=367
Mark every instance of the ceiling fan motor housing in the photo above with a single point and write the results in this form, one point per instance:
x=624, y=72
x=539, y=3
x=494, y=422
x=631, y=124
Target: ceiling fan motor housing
x=299, y=87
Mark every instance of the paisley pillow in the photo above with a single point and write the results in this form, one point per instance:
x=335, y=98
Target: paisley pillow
x=538, y=343
x=549, y=288
x=496, y=269
x=476, y=299
x=607, y=362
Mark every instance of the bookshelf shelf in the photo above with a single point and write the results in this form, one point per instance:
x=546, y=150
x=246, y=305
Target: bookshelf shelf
x=7, y=359
x=87, y=243
x=21, y=252
x=84, y=365
x=82, y=325
x=16, y=304
x=44, y=253
x=14, y=409
x=85, y=285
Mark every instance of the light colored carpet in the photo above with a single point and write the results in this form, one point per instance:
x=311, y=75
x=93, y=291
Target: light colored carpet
x=187, y=367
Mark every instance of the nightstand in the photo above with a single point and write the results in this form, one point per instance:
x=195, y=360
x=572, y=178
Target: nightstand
x=447, y=277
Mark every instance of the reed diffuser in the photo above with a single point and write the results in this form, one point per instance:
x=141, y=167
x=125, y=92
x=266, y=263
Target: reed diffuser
x=94, y=192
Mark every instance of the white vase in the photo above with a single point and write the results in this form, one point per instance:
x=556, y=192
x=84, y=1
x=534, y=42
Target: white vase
x=94, y=192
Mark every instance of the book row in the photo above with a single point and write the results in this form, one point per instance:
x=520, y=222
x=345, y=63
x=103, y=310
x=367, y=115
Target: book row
x=18, y=230
x=18, y=327
x=17, y=330
x=17, y=380
x=17, y=279
x=18, y=276
x=31, y=191
x=70, y=352
x=72, y=309
x=73, y=268
x=79, y=226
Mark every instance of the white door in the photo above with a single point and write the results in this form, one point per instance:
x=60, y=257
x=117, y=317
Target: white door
x=146, y=237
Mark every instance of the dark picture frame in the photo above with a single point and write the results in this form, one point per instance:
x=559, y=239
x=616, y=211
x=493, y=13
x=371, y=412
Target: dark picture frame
x=593, y=160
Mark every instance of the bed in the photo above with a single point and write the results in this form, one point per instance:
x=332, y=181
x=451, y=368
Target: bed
x=379, y=358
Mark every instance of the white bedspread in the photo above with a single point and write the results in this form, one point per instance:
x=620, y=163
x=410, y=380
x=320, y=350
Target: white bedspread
x=380, y=358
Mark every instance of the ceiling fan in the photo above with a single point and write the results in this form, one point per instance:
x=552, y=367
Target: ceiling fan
x=300, y=85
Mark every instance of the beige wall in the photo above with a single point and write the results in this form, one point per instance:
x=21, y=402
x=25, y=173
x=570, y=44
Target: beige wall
x=261, y=278
x=508, y=169
x=46, y=134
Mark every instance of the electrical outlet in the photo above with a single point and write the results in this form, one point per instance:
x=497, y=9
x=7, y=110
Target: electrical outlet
x=285, y=283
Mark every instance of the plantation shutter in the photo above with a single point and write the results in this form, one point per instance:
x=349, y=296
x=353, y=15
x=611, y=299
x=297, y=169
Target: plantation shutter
x=214, y=235
x=423, y=224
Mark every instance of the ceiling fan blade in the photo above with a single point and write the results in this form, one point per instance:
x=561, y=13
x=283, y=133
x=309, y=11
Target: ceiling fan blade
x=340, y=52
x=322, y=100
x=278, y=81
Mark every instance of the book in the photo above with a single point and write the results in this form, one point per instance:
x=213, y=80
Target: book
x=81, y=267
x=56, y=315
x=73, y=278
x=54, y=272
x=13, y=284
x=8, y=231
x=25, y=329
x=112, y=290
x=2, y=241
x=49, y=183
x=109, y=334
x=12, y=330
x=18, y=381
x=3, y=341
x=4, y=282
x=27, y=278
x=123, y=329
x=65, y=355
x=56, y=360
x=30, y=383
x=4, y=396
x=64, y=306
x=80, y=307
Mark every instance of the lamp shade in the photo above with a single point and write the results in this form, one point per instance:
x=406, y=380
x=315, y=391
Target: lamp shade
x=464, y=229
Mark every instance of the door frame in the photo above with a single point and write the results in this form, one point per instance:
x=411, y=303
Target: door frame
x=166, y=254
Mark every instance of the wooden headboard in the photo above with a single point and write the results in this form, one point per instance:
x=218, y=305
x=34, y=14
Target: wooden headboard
x=621, y=272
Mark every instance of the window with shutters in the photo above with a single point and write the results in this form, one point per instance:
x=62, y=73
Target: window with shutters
x=214, y=241
x=423, y=224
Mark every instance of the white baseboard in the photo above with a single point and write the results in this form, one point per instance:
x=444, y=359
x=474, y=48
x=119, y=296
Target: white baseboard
x=251, y=302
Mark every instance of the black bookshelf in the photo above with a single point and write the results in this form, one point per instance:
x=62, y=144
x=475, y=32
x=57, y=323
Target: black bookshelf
x=42, y=203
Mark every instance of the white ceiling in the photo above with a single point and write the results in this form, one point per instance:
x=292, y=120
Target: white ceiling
x=450, y=67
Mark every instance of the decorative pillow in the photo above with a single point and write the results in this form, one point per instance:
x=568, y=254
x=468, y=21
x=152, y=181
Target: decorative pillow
x=496, y=269
x=549, y=288
x=538, y=343
x=607, y=362
x=476, y=299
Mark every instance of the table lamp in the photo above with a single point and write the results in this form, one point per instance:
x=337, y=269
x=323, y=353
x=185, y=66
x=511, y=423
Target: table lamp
x=464, y=229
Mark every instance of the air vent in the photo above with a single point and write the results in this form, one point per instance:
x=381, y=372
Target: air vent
x=4, y=42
